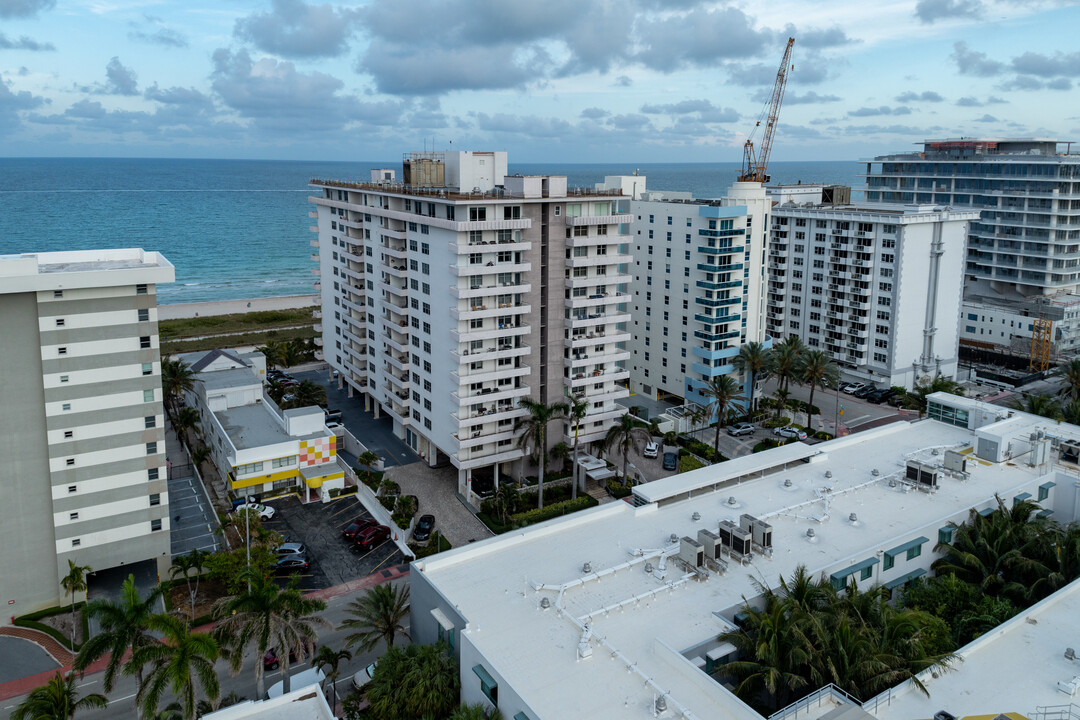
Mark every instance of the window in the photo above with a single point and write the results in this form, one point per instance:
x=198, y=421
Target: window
x=70, y=461
x=155, y=525
x=58, y=293
x=144, y=341
x=152, y=474
x=69, y=434
x=144, y=315
x=155, y=499
x=249, y=468
x=61, y=351
x=73, y=488
x=140, y=289
x=147, y=368
x=59, y=322
x=944, y=535
x=914, y=552
x=148, y=395
x=151, y=448
x=150, y=421
x=73, y=516
x=888, y=562
x=76, y=542
x=488, y=686
x=1044, y=490
x=866, y=573
x=63, y=378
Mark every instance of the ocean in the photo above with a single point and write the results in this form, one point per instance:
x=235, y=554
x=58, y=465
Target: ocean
x=238, y=229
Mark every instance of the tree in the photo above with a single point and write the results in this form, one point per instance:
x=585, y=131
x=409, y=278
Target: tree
x=414, y=681
x=267, y=616
x=1043, y=405
x=307, y=394
x=124, y=623
x=57, y=699
x=753, y=360
x=367, y=459
x=378, y=615
x=200, y=455
x=176, y=379
x=722, y=392
x=274, y=351
x=784, y=361
x=179, y=663
x=474, y=712
x=74, y=582
x=1071, y=371
x=576, y=410
x=781, y=396
x=625, y=434
x=818, y=371
x=332, y=659
x=535, y=435
x=184, y=419
x=184, y=565
x=940, y=383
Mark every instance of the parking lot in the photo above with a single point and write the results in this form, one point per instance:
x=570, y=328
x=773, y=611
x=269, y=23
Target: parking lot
x=193, y=520
x=319, y=526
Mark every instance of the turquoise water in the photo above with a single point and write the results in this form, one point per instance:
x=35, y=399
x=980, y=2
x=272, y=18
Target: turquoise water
x=238, y=228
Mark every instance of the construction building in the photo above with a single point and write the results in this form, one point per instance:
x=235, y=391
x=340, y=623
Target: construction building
x=448, y=298
x=83, y=428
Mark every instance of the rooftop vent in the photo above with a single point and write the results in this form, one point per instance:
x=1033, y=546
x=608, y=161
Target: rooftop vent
x=828, y=473
x=696, y=516
x=853, y=519
x=648, y=568
x=875, y=472
x=892, y=483
x=1070, y=654
x=661, y=705
x=545, y=603
x=587, y=567
x=787, y=482
x=673, y=538
x=811, y=536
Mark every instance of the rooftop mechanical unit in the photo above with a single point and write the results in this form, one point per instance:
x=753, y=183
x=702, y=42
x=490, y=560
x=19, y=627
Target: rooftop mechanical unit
x=740, y=541
x=710, y=543
x=954, y=461
x=760, y=531
x=726, y=528
x=692, y=552
x=923, y=475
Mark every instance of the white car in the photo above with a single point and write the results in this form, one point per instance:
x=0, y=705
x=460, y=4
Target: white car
x=790, y=432
x=854, y=387
x=651, y=450
x=363, y=677
x=265, y=512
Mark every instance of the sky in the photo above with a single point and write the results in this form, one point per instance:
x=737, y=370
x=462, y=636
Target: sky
x=545, y=80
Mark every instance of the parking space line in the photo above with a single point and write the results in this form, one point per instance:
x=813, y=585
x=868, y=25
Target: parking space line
x=384, y=561
x=348, y=508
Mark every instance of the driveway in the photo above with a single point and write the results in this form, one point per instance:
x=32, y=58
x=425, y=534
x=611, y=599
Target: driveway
x=21, y=658
x=193, y=518
x=436, y=492
x=851, y=412
x=319, y=525
x=376, y=434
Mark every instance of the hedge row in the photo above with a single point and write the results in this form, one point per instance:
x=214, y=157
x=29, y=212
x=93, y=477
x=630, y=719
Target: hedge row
x=30, y=620
x=547, y=512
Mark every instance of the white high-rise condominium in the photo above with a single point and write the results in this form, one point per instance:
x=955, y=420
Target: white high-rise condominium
x=698, y=286
x=878, y=287
x=1027, y=240
x=449, y=297
x=82, y=433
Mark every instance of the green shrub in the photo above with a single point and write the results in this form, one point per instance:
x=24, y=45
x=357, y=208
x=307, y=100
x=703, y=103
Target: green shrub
x=402, y=521
x=422, y=551
x=697, y=447
x=617, y=490
x=775, y=422
x=554, y=510
x=766, y=444
x=388, y=502
x=822, y=435
x=688, y=463
x=338, y=492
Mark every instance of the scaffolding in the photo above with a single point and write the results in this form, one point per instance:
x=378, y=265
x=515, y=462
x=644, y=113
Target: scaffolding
x=1042, y=343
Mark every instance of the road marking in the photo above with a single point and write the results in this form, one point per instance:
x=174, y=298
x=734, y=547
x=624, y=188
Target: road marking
x=857, y=420
x=92, y=682
x=126, y=697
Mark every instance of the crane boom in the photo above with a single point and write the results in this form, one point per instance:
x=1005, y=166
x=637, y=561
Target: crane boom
x=755, y=164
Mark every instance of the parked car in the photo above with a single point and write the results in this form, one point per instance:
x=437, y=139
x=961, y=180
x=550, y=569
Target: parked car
x=880, y=396
x=333, y=415
x=291, y=548
x=333, y=426
x=671, y=461
x=424, y=526
x=863, y=392
x=271, y=661
x=265, y=512
x=854, y=387
x=357, y=525
x=291, y=564
x=740, y=429
x=790, y=432
x=369, y=537
x=651, y=450
x=363, y=677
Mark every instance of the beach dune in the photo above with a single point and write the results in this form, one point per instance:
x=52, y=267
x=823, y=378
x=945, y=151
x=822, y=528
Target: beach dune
x=230, y=307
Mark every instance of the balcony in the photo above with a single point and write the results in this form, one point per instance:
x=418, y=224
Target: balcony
x=481, y=435
x=715, y=319
x=394, y=268
x=722, y=250
x=592, y=240
x=314, y=243
x=503, y=350
x=476, y=312
x=578, y=380
x=488, y=396
x=605, y=298
x=598, y=319
x=594, y=260
x=489, y=333
x=511, y=242
x=489, y=288
x=710, y=285
x=489, y=268
x=506, y=410
x=596, y=338
x=721, y=302
x=618, y=219
x=715, y=337
x=468, y=375
x=482, y=455
x=398, y=360
x=613, y=355
x=593, y=280
x=713, y=268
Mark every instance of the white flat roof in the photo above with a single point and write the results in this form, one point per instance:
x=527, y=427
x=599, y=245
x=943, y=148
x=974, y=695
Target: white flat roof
x=303, y=703
x=642, y=625
x=32, y=272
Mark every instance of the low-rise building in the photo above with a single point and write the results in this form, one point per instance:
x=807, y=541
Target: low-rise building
x=257, y=447
x=82, y=432
x=621, y=606
x=878, y=287
x=989, y=323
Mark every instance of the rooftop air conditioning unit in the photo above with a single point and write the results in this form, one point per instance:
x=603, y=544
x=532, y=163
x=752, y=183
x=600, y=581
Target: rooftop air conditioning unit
x=725, y=532
x=922, y=474
x=692, y=552
x=740, y=541
x=710, y=542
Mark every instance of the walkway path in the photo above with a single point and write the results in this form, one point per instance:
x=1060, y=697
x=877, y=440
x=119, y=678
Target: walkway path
x=436, y=490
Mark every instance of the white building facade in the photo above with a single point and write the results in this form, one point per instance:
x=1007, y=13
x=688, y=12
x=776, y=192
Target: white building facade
x=449, y=298
x=83, y=428
x=876, y=287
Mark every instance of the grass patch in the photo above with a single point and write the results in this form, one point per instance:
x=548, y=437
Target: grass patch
x=170, y=347
x=422, y=551
x=261, y=321
x=688, y=463
x=30, y=620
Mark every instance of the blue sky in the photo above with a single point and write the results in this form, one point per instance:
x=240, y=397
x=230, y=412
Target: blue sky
x=547, y=80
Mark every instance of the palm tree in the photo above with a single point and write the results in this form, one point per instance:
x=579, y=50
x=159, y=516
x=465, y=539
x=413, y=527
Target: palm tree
x=186, y=418
x=753, y=360
x=626, y=433
x=818, y=371
x=699, y=416
x=173, y=711
x=940, y=383
x=367, y=459
x=1070, y=412
x=576, y=409
x=414, y=681
x=535, y=426
x=124, y=623
x=1071, y=370
x=200, y=455
x=74, y=582
x=274, y=351
x=184, y=565
x=1043, y=405
x=332, y=659
x=378, y=615
x=176, y=379
x=57, y=699
x=308, y=393
x=723, y=393
x=474, y=712
x=268, y=616
x=176, y=664
x=296, y=350
x=785, y=361
x=781, y=396
x=774, y=652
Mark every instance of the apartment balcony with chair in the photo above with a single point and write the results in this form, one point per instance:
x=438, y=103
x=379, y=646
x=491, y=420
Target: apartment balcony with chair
x=614, y=219
x=610, y=354
x=593, y=280
x=594, y=260
x=590, y=300
x=489, y=286
x=585, y=379
x=469, y=417
x=479, y=312
x=488, y=396
x=398, y=360
x=466, y=375
x=599, y=321
x=493, y=351
x=582, y=340
x=489, y=267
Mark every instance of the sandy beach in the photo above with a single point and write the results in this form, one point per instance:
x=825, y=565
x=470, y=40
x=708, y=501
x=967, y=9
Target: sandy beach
x=230, y=307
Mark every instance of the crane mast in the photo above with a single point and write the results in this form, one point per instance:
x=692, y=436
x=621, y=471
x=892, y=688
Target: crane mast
x=755, y=164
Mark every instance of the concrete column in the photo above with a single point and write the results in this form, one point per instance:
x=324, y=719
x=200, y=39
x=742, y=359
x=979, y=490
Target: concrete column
x=350, y=388
x=432, y=453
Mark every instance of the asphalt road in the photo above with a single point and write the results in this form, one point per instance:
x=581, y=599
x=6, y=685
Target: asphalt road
x=22, y=658
x=377, y=435
x=121, y=699
x=856, y=412
x=318, y=526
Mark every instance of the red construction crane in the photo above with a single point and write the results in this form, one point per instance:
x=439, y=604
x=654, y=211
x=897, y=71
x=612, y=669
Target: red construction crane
x=754, y=165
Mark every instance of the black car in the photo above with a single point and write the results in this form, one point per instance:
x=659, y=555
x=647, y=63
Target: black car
x=880, y=396
x=671, y=461
x=864, y=392
x=424, y=526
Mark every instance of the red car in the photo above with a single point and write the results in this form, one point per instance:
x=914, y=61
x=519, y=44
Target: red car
x=271, y=661
x=350, y=532
x=369, y=537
